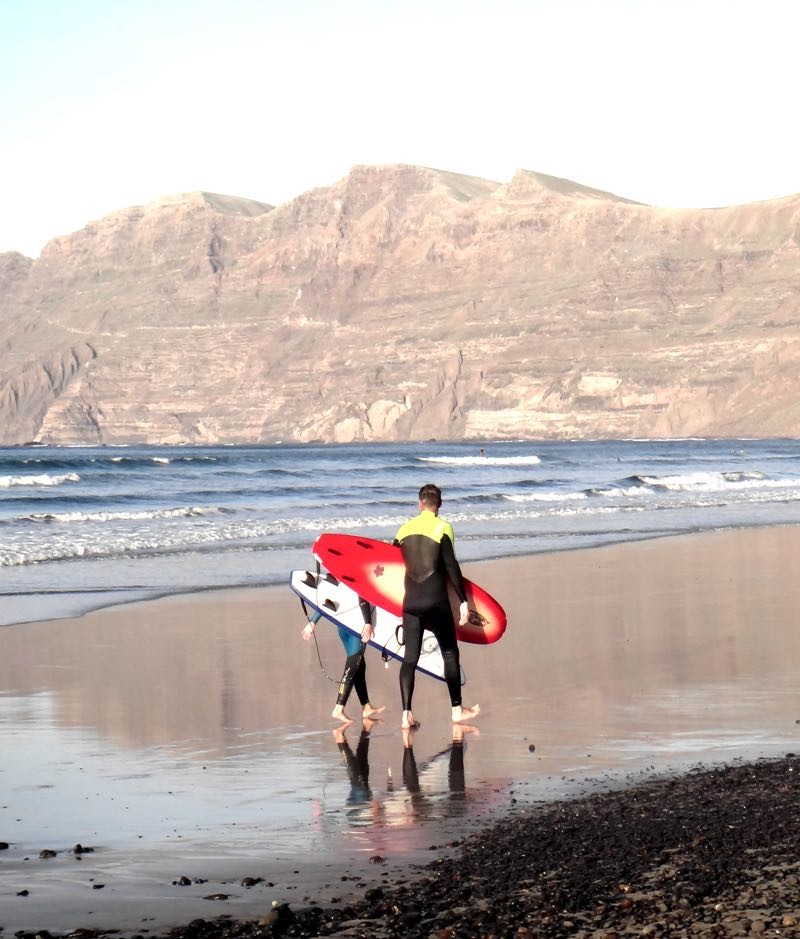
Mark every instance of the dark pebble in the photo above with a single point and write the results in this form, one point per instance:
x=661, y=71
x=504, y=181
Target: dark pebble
x=3, y=846
x=216, y=896
x=22, y=893
x=48, y=853
x=97, y=886
x=377, y=859
x=252, y=881
x=80, y=849
x=532, y=747
x=182, y=882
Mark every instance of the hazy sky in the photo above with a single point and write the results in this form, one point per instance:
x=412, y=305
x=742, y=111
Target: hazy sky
x=111, y=103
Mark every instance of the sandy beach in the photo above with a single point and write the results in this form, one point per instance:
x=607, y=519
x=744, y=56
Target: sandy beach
x=190, y=737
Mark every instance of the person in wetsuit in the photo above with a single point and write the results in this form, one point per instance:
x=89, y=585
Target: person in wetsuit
x=428, y=546
x=355, y=670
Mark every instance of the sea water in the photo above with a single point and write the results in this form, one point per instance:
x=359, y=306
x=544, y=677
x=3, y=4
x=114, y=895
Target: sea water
x=86, y=527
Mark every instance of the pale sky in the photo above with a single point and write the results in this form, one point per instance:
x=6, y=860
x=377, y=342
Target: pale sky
x=110, y=103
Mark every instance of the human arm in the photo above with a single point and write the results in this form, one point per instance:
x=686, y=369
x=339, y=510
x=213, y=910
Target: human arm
x=308, y=629
x=456, y=577
x=366, y=613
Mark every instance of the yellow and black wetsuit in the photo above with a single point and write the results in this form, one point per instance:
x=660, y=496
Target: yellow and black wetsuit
x=427, y=543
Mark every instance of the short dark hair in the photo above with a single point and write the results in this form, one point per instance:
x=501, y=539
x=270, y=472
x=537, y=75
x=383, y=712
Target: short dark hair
x=430, y=495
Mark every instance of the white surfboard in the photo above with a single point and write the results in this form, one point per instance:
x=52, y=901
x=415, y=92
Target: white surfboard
x=339, y=604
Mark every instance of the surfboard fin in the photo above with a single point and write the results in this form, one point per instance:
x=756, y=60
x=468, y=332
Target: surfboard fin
x=331, y=579
x=331, y=605
x=310, y=580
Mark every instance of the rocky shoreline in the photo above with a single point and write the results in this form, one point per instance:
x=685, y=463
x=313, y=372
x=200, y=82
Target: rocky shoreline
x=712, y=853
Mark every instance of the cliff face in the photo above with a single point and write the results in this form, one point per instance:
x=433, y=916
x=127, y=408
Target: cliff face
x=406, y=303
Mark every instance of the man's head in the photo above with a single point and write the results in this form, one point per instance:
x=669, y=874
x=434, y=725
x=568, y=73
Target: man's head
x=430, y=497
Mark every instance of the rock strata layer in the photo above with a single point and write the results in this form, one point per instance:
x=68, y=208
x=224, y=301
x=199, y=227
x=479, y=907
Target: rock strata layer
x=406, y=303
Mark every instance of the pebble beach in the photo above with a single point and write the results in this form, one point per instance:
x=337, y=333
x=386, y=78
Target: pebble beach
x=712, y=853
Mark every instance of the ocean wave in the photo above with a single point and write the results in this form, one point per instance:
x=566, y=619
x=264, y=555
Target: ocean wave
x=95, y=543
x=545, y=497
x=616, y=492
x=156, y=460
x=531, y=460
x=712, y=481
x=110, y=516
x=42, y=479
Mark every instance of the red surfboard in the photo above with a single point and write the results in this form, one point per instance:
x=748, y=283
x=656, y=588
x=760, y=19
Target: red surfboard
x=375, y=570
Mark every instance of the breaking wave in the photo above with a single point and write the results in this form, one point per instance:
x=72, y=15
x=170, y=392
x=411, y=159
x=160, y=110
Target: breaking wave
x=703, y=482
x=143, y=516
x=43, y=479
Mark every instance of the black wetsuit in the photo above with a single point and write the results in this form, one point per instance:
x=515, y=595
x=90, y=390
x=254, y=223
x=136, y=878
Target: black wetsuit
x=427, y=543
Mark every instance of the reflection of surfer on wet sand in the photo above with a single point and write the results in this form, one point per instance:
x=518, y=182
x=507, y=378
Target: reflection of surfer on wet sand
x=456, y=784
x=357, y=764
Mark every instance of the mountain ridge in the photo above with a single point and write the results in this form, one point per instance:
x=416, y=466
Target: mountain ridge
x=403, y=302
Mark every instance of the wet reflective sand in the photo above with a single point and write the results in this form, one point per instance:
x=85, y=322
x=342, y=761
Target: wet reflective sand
x=191, y=736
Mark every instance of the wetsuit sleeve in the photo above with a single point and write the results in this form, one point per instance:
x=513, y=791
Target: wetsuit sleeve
x=366, y=611
x=453, y=569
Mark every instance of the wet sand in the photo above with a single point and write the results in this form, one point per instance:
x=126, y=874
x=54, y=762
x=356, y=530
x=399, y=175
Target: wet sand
x=190, y=737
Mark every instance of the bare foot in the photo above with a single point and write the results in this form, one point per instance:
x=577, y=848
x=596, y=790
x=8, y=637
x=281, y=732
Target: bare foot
x=408, y=722
x=460, y=730
x=370, y=711
x=339, y=734
x=465, y=714
x=408, y=736
x=338, y=715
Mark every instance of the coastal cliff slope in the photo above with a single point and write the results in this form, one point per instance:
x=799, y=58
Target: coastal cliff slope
x=406, y=303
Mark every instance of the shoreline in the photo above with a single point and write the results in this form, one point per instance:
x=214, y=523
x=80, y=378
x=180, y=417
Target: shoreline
x=174, y=722
x=467, y=565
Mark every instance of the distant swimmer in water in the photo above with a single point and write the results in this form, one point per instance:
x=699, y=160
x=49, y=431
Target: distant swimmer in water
x=355, y=669
x=483, y=452
x=427, y=544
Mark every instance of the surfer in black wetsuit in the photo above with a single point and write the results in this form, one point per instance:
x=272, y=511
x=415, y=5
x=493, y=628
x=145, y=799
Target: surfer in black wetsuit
x=428, y=546
x=355, y=669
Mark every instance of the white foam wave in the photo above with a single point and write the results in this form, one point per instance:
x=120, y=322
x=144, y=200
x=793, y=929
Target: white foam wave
x=717, y=482
x=531, y=460
x=546, y=497
x=629, y=491
x=42, y=479
x=91, y=542
x=142, y=516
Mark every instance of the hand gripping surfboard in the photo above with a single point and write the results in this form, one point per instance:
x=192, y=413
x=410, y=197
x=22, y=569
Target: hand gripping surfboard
x=376, y=572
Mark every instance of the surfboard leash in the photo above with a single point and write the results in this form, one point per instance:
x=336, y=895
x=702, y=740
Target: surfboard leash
x=316, y=644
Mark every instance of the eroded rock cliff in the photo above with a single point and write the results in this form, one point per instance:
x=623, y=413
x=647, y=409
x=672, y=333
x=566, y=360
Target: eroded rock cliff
x=406, y=303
